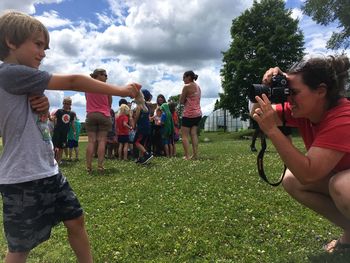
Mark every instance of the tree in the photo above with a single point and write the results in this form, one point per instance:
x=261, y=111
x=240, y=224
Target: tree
x=217, y=105
x=325, y=12
x=175, y=98
x=263, y=36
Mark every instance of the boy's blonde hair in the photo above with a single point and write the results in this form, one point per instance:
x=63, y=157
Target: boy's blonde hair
x=67, y=99
x=124, y=109
x=16, y=28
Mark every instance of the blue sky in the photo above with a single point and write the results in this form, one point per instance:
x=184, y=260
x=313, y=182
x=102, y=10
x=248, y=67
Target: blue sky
x=149, y=41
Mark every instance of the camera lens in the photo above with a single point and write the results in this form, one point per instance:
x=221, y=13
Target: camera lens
x=258, y=90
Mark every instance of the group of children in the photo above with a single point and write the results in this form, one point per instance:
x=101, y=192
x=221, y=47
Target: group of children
x=143, y=131
x=136, y=131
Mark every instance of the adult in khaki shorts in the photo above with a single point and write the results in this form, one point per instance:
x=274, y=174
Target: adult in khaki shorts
x=98, y=122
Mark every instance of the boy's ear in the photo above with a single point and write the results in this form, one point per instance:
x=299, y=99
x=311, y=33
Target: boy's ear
x=9, y=44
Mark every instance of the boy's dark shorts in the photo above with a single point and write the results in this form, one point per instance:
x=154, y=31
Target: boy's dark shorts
x=31, y=209
x=59, y=139
x=72, y=144
x=141, y=138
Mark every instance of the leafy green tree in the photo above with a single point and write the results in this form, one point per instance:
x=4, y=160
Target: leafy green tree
x=262, y=37
x=175, y=98
x=325, y=12
x=217, y=105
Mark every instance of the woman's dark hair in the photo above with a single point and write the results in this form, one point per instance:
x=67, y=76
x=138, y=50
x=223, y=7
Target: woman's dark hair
x=191, y=75
x=331, y=71
x=146, y=94
x=160, y=96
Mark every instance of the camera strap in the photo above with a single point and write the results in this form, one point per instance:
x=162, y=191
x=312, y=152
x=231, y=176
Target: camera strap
x=260, y=163
x=260, y=157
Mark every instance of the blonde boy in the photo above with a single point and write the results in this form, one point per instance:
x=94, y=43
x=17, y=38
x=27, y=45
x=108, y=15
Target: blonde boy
x=36, y=196
x=64, y=119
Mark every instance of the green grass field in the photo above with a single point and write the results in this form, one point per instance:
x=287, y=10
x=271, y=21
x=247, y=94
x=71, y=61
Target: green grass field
x=215, y=209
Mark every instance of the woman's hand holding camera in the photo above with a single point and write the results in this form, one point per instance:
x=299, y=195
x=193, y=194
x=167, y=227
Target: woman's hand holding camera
x=270, y=73
x=265, y=115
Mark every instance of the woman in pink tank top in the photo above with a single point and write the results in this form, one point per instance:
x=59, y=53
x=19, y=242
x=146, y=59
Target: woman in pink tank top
x=192, y=115
x=98, y=122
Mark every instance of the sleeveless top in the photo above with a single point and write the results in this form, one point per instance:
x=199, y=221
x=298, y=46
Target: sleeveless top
x=98, y=103
x=192, y=105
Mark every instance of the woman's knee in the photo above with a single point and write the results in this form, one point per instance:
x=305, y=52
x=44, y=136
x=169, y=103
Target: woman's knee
x=290, y=183
x=339, y=186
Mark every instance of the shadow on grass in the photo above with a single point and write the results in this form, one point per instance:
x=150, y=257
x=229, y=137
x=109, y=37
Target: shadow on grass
x=330, y=258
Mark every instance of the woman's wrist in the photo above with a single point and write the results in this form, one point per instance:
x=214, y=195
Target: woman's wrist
x=271, y=133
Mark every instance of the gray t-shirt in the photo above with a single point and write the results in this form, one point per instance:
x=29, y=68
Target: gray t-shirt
x=27, y=148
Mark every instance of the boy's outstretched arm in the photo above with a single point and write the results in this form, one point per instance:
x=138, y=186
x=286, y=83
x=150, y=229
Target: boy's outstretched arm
x=87, y=84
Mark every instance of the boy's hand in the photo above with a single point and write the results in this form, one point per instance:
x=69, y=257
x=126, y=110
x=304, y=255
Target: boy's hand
x=140, y=101
x=133, y=89
x=39, y=103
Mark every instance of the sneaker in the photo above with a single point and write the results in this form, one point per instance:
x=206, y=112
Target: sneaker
x=253, y=149
x=146, y=158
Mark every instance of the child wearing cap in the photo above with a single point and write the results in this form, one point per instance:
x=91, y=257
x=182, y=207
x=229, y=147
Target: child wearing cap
x=35, y=195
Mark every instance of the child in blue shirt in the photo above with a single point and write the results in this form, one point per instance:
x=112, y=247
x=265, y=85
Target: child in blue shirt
x=73, y=139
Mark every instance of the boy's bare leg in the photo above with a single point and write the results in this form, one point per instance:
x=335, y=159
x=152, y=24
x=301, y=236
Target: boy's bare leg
x=166, y=150
x=78, y=239
x=171, y=150
x=70, y=153
x=76, y=150
x=59, y=155
x=18, y=257
x=65, y=152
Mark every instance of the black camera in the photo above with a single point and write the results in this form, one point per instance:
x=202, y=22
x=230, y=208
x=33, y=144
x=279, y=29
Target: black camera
x=277, y=93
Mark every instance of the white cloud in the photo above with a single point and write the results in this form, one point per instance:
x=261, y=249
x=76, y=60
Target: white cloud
x=157, y=39
x=27, y=6
x=78, y=100
x=174, y=32
x=207, y=106
x=316, y=36
x=51, y=20
x=297, y=13
x=55, y=97
x=151, y=41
